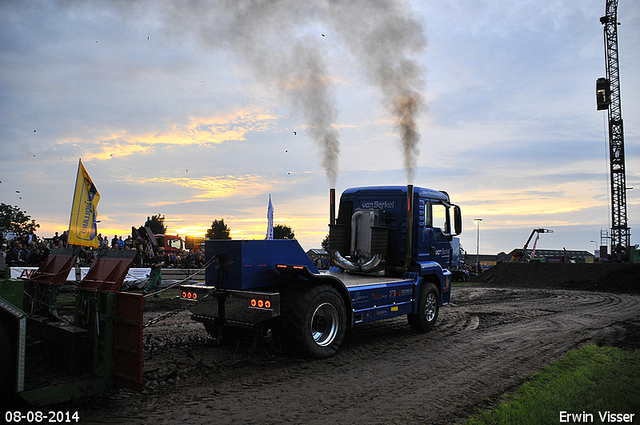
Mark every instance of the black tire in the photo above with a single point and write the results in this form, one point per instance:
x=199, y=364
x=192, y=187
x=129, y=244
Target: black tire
x=312, y=321
x=428, y=309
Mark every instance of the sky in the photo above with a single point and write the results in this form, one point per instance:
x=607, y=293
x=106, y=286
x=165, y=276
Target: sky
x=200, y=110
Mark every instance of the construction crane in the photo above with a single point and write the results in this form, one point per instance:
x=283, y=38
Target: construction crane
x=518, y=254
x=608, y=97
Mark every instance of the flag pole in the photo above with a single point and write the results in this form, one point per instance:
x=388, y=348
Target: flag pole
x=73, y=201
x=270, y=219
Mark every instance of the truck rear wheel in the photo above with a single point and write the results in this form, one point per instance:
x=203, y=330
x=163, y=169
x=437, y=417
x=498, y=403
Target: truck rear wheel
x=313, y=320
x=428, y=308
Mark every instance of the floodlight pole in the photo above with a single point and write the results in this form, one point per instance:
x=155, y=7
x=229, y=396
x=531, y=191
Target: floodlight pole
x=478, y=221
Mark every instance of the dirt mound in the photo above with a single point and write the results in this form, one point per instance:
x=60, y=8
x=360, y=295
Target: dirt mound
x=594, y=277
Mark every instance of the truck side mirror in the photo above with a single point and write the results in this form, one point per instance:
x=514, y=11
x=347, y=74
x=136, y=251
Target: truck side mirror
x=457, y=220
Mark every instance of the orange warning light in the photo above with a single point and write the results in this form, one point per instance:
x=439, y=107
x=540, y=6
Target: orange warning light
x=260, y=303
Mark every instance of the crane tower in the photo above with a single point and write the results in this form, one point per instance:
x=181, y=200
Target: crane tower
x=608, y=97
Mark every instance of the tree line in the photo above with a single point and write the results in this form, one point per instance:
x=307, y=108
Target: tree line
x=14, y=221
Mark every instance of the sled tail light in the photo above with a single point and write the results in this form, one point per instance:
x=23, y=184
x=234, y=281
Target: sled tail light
x=189, y=295
x=261, y=303
x=291, y=269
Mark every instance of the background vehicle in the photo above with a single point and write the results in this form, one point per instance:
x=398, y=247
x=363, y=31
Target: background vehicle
x=458, y=265
x=170, y=243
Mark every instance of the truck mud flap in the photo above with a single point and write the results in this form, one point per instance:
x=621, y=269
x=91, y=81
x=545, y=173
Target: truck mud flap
x=127, y=343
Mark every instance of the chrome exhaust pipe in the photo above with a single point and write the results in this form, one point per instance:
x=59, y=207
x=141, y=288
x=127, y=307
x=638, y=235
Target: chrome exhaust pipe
x=342, y=262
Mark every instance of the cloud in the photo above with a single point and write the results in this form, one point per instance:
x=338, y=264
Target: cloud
x=207, y=188
x=144, y=90
x=208, y=131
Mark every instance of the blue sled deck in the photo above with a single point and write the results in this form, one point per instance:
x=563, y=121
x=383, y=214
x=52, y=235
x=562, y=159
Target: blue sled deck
x=378, y=297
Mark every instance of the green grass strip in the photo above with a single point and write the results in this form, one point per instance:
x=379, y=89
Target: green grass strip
x=590, y=385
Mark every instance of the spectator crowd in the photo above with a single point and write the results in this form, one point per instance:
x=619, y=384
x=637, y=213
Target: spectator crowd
x=30, y=250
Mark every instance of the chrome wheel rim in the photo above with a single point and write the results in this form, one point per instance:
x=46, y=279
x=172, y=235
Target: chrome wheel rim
x=324, y=324
x=430, y=307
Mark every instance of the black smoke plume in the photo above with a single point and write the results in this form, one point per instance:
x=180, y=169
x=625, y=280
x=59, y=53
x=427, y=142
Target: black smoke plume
x=278, y=41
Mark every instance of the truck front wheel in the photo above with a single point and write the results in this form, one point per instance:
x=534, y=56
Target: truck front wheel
x=428, y=307
x=313, y=320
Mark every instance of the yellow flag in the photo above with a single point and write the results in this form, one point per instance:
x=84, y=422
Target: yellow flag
x=83, y=227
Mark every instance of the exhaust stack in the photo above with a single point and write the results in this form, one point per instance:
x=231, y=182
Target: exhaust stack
x=333, y=254
x=409, y=256
x=332, y=206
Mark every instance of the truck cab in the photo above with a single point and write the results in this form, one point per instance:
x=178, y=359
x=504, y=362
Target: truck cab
x=170, y=243
x=392, y=229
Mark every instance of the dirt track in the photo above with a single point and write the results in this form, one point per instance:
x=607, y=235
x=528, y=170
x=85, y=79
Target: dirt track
x=485, y=343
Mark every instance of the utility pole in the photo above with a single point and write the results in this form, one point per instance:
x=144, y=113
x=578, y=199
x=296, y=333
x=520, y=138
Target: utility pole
x=478, y=221
x=608, y=97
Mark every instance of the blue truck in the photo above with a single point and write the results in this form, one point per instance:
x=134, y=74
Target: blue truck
x=391, y=251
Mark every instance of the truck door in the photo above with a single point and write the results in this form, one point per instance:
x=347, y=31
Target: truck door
x=424, y=231
x=438, y=230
